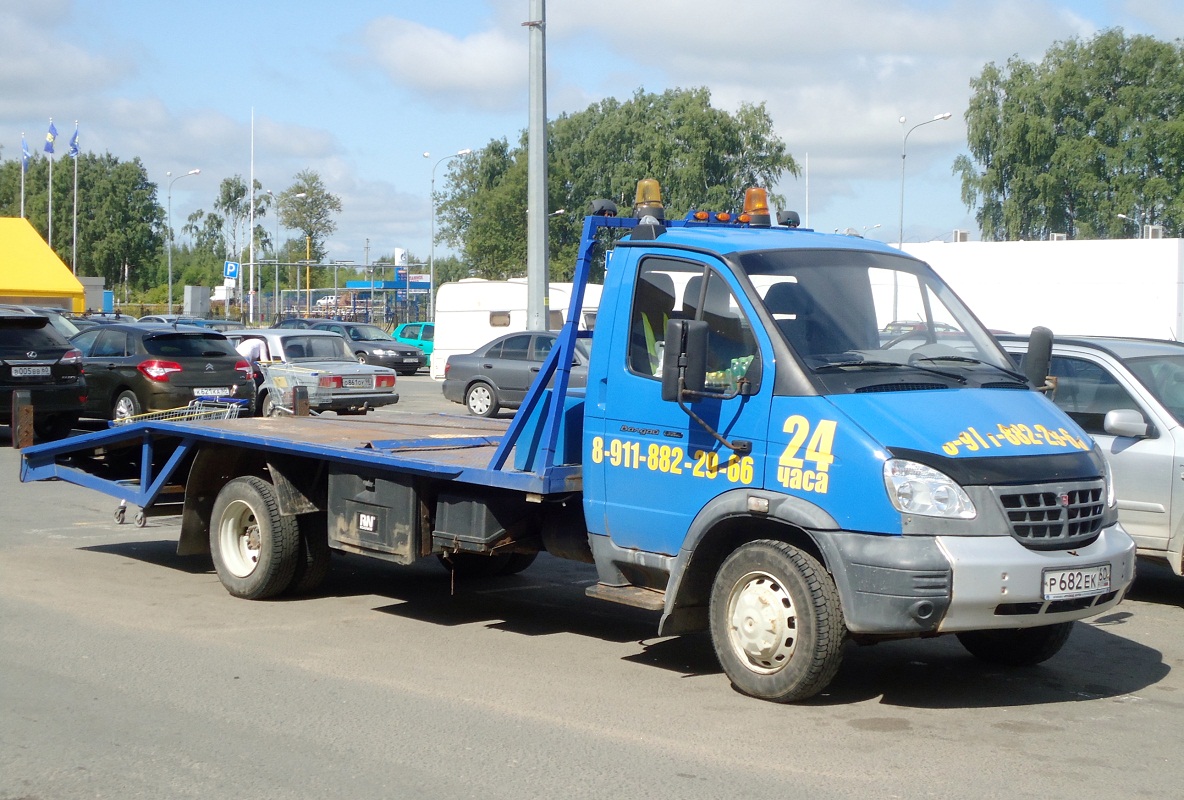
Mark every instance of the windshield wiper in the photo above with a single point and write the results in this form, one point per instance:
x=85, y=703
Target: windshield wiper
x=896, y=364
x=968, y=360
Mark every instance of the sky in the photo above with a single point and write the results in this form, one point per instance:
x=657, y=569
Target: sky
x=361, y=90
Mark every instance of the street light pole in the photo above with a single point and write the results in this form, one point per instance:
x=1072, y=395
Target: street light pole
x=903, y=148
x=169, y=225
x=432, y=246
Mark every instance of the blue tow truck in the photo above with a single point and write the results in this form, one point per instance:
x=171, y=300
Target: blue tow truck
x=755, y=455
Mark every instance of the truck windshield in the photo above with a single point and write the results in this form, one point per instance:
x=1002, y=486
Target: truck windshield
x=852, y=316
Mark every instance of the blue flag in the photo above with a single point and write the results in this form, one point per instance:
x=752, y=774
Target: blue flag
x=74, y=143
x=49, y=137
x=24, y=154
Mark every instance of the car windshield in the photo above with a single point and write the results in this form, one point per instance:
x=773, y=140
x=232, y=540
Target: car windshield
x=316, y=348
x=841, y=312
x=1164, y=378
x=368, y=333
x=181, y=345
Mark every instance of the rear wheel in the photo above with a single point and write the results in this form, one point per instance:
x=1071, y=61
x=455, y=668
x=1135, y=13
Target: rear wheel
x=481, y=400
x=54, y=426
x=776, y=622
x=254, y=547
x=1017, y=647
x=269, y=407
x=126, y=405
x=312, y=564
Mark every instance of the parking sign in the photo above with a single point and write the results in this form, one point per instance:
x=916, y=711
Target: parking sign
x=230, y=269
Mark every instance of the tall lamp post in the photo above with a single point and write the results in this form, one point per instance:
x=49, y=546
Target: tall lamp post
x=903, y=149
x=169, y=224
x=432, y=246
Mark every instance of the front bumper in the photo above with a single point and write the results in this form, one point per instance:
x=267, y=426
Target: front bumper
x=893, y=585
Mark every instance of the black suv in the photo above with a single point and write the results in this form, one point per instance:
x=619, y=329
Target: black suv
x=34, y=356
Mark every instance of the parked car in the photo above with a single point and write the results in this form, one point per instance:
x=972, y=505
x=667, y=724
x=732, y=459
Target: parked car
x=322, y=362
x=328, y=300
x=88, y=320
x=223, y=324
x=135, y=368
x=34, y=356
x=173, y=319
x=299, y=323
x=417, y=334
x=498, y=374
x=372, y=345
x=58, y=317
x=1128, y=394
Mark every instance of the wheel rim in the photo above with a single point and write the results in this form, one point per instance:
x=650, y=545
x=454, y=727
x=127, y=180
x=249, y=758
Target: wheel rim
x=238, y=539
x=762, y=622
x=124, y=407
x=361, y=358
x=479, y=400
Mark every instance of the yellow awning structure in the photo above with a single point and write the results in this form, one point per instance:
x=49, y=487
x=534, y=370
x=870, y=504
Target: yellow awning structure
x=31, y=272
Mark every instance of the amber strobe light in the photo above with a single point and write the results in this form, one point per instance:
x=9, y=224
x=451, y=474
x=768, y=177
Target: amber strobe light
x=649, y=200
x=756, y=207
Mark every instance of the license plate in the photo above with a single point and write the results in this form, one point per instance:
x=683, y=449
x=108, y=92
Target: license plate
x=220, y=391
x=356, y=383
x=1064, y=584
x=411, y=361
x=25, y=372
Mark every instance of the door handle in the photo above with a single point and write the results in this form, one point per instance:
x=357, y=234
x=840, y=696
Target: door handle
x=487, y=366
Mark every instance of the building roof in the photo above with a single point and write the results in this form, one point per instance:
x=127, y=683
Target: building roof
x=31, y=272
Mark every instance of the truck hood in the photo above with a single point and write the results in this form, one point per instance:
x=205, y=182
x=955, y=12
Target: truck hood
x=965, y=423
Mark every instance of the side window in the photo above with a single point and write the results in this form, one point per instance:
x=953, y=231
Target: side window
x=85, y=342
x=111, y=344
x=517, y=348
x=731, y=345
x=411, y=332
x=429, y=332
x=1086, y=391
x=542, y=346
x=653, y=306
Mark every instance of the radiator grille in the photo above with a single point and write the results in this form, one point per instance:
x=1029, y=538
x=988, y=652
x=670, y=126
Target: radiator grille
x=1055, y=517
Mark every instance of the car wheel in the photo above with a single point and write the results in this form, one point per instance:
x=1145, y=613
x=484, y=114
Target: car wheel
x=361, y=357
x=269, y=408
x=54, y=426
x=126, y=405
x=481, y=400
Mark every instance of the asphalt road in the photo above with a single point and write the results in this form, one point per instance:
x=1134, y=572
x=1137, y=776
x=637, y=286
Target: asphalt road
x=128, y=672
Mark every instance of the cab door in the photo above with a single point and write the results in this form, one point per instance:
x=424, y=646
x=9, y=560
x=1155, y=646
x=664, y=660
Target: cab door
x=659, y=466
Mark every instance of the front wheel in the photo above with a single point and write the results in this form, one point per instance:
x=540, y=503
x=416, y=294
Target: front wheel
x=254, y=547
x=1017, y=647
x=776, y=622
x=361, y=357
x=481, y=400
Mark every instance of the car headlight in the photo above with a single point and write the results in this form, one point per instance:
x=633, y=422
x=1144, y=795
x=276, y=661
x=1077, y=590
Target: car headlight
x=917, y=489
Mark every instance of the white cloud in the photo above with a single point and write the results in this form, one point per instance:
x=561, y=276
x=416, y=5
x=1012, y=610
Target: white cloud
x=485, y=69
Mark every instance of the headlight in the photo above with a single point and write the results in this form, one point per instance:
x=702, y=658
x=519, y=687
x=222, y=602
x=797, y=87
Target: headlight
x=917, y=489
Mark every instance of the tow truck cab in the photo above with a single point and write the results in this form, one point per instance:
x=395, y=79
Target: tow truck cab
x=741, y=390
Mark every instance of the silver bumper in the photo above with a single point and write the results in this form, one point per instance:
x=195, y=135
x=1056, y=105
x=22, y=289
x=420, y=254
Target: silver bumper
x=986, y=594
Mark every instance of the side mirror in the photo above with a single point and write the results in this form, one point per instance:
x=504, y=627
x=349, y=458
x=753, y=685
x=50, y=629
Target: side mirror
x=685, y=356
x=1036, y=363
x=1126, y=422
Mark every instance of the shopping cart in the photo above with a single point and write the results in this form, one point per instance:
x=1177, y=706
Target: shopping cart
x=171, y=498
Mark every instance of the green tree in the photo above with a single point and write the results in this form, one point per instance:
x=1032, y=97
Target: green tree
x=1064, y=146
x=226, y=227
x=120, y=221
x=702, y=156
x=307, y=206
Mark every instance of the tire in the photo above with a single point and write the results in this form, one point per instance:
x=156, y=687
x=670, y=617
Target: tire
x=362, y=358
x=313, y=561
x=776, y=622
x=125, y=405
x=517, y=563
x=481, y=400
x=1017, y=647
x=268, y=408
x=120, y=515
x=254, y=547
x=474, y=565
x=54, y=426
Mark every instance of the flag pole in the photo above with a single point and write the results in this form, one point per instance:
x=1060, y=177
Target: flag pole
x=49, y=137
x=24, y=169
x=74, y=153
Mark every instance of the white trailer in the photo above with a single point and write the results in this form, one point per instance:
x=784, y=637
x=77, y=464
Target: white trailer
x=473, y=311
x=1101, y=287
